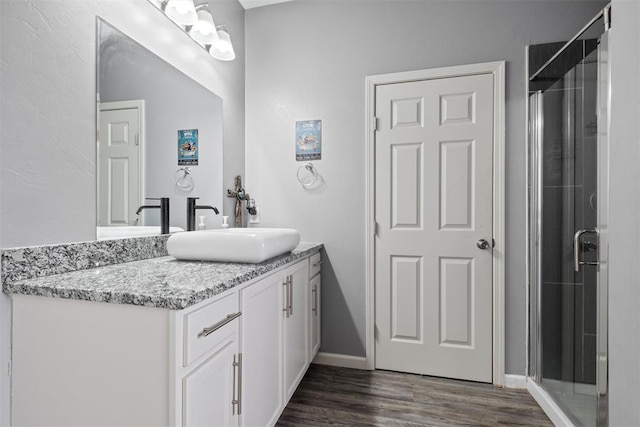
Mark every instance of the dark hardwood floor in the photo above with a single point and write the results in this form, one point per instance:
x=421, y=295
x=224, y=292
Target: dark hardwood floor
x=331, y=396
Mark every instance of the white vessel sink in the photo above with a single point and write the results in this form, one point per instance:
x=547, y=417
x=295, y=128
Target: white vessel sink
x=249, y=245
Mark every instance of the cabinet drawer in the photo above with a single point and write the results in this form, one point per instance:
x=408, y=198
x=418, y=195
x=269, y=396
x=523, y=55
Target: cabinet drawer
x=315, y=262
x=199, y=337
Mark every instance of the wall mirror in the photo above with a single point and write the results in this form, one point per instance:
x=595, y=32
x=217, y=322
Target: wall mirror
x=145, y=110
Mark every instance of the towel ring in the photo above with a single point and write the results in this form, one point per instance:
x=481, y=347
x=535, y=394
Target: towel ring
x=310, y=169
x=184, y=179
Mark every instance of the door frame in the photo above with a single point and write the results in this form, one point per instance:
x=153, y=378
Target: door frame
x=497, y=69
x=138, y=104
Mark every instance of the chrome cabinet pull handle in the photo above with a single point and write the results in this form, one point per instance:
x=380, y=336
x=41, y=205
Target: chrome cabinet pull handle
x=288, y=290
x=234, y=401
x=317, y=264
x=315, y=299
x=291, y=295
x=577, y=250
x=211, y=329
x=237, y=399
x=285, y=283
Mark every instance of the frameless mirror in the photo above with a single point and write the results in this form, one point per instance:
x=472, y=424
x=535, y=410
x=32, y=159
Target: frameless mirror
x=159, y=135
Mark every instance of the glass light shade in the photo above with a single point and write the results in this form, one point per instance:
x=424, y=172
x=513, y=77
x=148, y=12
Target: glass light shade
x=204, y=31
x=182, y=12
x=222, y=48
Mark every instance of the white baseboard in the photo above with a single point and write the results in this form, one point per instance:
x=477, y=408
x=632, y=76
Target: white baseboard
x=341, y=360
x=553, y=411
x=514, y=381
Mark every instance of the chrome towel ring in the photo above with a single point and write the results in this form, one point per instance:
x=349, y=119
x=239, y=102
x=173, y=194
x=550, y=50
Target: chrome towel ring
x=307, y=174
x=184, y=179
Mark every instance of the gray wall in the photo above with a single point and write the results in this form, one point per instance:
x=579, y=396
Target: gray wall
x=624, y=220
x=47, y=116
x=309, y=59
x=172, y=101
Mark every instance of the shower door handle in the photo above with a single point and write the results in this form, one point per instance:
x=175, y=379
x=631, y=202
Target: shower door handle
x=577, y=262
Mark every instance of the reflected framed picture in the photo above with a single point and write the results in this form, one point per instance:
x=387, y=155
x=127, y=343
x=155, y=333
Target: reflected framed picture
x=188, y=147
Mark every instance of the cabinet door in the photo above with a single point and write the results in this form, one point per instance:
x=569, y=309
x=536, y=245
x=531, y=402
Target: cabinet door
x=296, y=338
x=209, y=390
x=314, y=324
x=261, y=322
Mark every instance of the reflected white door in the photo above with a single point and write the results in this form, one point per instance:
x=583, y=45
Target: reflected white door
x=120, y=163
x=434, y=198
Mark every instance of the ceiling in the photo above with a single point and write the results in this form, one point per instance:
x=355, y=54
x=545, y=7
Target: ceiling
x=250, y=4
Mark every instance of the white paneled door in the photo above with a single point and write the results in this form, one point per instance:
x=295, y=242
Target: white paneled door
x=120, y=163
x=433, y=210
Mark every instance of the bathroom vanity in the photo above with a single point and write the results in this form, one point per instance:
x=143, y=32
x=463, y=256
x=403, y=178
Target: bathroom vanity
x=165, y=342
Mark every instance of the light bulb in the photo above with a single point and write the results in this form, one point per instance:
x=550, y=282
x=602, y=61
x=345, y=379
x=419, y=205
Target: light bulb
x=204, y=31
x=182, y=8
x=182, y=12
x=222, y=48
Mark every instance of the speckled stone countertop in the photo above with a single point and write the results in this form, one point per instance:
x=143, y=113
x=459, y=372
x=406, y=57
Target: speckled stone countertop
x=157, y=282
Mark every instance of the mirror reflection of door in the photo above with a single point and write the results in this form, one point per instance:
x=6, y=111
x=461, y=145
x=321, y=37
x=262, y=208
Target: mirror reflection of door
x=120, y=163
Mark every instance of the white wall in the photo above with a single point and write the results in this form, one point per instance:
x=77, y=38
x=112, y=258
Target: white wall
x=47, y=116
x=624, y=219
x=308, y=60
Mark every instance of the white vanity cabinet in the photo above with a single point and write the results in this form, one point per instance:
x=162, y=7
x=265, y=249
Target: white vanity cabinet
x=78, y=363
x=233, y=359
x=262, y=332
x=315, y=262
x=274, y=342
x=209, y=389
x=296, y=320
x=211, y=376
x=98, y=364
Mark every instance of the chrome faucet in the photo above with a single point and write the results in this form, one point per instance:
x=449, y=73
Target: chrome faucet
x=191, y=212
x=164, y=212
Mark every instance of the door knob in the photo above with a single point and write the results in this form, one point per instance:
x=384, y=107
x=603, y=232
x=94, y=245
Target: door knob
x=483, y=244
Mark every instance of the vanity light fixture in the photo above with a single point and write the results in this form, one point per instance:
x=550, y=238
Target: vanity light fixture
x=222, y=48
x=182, y=12
x=204, y=31
x=198, y=22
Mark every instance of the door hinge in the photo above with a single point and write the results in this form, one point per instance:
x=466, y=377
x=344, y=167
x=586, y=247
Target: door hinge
x=375, y=331
x=376, y=123
x=376, y=228
x=137, y=139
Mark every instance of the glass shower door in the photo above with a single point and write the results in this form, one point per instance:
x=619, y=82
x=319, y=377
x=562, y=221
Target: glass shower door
x=568, y=187
x=569, y=243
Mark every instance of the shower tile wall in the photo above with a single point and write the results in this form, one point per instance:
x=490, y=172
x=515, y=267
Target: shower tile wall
x=569, y=181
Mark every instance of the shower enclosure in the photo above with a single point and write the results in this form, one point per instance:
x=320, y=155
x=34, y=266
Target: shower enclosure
x=568, y=146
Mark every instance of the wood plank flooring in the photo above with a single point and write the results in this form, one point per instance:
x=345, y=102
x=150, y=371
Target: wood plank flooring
x=329, y=396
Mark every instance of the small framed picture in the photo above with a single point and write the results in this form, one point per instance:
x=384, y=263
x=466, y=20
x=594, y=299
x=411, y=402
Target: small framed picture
x=309, y=140
x=188, y=147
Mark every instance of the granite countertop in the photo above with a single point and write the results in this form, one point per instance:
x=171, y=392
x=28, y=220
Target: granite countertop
x=162, y=282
